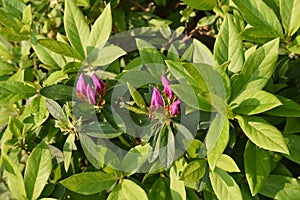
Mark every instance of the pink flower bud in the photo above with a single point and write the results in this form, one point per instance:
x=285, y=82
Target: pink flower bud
x=91, y=94
x=175, y=107
x=156, y=100
x=81, y=87
x=167, y=89
x=99, y=85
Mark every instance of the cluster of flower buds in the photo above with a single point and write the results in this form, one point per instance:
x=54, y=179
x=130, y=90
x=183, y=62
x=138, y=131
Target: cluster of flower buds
x=158, y=103
x=93, y=93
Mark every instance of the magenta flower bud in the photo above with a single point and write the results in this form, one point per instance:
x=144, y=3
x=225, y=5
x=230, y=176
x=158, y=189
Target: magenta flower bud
x=175, y=107
x=156, y=100
x=99, y=85
x=81, y=87
x=91, y=94
x=167, y=89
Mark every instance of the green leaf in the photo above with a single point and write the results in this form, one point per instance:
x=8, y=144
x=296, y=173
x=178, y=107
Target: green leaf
x=45, y=55
x=229, y=47
x=15, y=127
x=256, y=35
x=251, y=102
x=116, y=193
x=105, y=56
x=12, y=35
x=154, y=142
x=54, y=78
x=201, y=5
x=12, y=91
x=293, y=142
x=295, y=45
x=15, y=7
x=39, y=110
x=289, y=108
x=38, y=170
x=281, y=187
x=69, y=146
x=14, y=178
x=6, y=68
x=89, y=149
x=257, y=69
x=290, y=15
x=132, y=191
x=226, y=163
x=292, y=125
x=257, y=167
x=258, y=14
x=177, y=186
x=55, y=110
x=217, y=139
x=88, y=183
x=58, y=92
x=76, y=27
x=187, y=94
x=166, y=147
x=101, y=130
x=135, y=158
x=201, y=53
x=224, y=185
x=27, y=16
x=137, y=97
x=101, y=29
x=151, y=57
x=160, y=190
x=194, y=148
x=194, y=171
x=61, y=48
x=263, y=134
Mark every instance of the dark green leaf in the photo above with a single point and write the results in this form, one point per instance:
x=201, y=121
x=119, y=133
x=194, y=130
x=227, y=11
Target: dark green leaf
x=293, y=142
x=58, y=92
x=166, y=147
x=289, y=108
x=281, y=187
x=160, y=190
x=257, y=167
x=89, y=182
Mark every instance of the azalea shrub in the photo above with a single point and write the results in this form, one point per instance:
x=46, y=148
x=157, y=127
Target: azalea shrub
x=132, y=99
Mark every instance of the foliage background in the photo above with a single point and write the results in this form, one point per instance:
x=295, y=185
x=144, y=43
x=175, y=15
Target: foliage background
x=254, y=154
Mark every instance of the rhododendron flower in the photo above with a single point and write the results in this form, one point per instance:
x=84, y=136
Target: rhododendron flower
x=156, y=100
x=175, y=107
x=99, y=85
x=91, y=94
x=167, y=89
x=81, y=87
